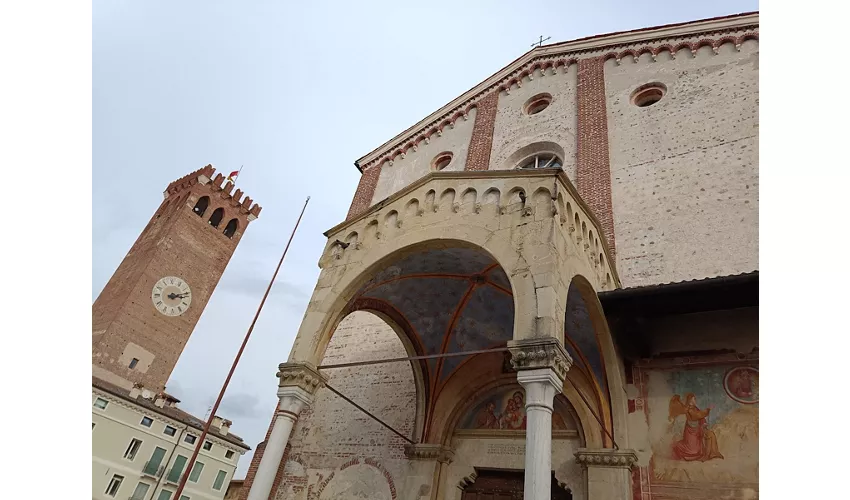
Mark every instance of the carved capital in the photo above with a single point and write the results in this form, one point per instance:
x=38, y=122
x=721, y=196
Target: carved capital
x=301, y=375
x=622, y=459
x=531, y=354
x=425, y=451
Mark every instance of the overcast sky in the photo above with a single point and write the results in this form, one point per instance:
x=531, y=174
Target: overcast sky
x=295, y=92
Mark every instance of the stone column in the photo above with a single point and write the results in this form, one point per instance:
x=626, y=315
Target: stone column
x=542, y=365
x=608, y=472
x=298, y=385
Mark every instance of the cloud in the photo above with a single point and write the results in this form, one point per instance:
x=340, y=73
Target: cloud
x=240, y=404
x=255, y=286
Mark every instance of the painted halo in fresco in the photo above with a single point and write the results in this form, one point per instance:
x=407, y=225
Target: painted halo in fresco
x=742, y=384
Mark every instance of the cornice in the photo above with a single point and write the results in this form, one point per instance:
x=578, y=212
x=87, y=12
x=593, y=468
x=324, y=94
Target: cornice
x=554, y=56
x=621, y=459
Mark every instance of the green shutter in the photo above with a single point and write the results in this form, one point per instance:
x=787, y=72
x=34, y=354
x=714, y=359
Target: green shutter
x=196, y=472
x=155, y=461
x=164, y=495
x=219, y=480
x=177, y=469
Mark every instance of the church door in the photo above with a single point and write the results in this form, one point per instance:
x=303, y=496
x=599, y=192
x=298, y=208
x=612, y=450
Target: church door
x=502, y=484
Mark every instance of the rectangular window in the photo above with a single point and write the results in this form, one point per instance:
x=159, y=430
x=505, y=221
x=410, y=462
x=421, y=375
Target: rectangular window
x=190, y=438
x=100, y=403
x=196, y=472
x=184, y=497
x=132, y=449
x=164, y=495
x=169, y=431
x=177, y=469
x=153, y=464
x=92, y=426
x=146, y=421
x=141, y=491
x=219, y=480
x=114, y=485
x=207, y=445
x=134, y=362
x=228, y=454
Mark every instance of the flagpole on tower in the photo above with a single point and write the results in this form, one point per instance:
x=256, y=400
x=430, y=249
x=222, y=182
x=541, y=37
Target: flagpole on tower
x=214, y=409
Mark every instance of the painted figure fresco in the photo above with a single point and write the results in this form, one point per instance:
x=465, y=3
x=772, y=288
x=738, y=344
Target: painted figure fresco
x=703, y=426
x=505, y=410
x=698, y=441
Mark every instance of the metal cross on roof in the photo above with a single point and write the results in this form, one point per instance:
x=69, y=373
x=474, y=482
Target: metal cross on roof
x=540, y=42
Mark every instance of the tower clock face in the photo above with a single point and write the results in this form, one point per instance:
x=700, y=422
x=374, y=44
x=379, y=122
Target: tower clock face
x=171, y=296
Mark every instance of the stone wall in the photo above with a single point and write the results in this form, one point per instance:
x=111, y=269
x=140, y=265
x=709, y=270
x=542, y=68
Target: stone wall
x=685, y=169
x=336, y=450
x=415, y=164
x=556, y=124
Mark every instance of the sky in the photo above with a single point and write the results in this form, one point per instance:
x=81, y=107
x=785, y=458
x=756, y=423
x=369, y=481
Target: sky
x=295, y=92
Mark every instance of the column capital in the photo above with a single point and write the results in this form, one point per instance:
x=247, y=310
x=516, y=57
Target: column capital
x=427, y=451
x=302, y=375
x=605, y=457
x=531, y=354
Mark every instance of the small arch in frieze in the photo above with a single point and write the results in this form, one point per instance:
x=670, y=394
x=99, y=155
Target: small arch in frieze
x=430, y=197
x=492, y=196
x=470, y=196
x=391, y=219
x=448, y=197
x=541, y=196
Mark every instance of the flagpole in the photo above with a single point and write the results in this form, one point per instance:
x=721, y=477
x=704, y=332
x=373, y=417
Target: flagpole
x=200, y=441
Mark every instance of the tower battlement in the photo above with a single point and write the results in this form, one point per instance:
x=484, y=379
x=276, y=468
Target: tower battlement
x=216, y=182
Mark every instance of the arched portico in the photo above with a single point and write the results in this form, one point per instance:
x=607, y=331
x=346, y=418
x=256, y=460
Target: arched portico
x=468, y=261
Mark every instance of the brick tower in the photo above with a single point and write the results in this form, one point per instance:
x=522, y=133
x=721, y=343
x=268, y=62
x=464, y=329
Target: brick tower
x=145, y=314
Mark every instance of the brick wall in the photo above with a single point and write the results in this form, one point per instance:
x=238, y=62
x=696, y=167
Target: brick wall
x=365, y=191
x=481, y=142
x=593, y=173
x=332, y=432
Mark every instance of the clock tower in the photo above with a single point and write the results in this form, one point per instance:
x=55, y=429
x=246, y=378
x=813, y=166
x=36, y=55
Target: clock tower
x=145, y=314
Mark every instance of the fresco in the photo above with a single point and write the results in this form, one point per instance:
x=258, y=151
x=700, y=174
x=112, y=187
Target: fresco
x=505, y=410
x=703, y=425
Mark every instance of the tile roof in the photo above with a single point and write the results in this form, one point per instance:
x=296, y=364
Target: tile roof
x=706, y=280
x=170, y=412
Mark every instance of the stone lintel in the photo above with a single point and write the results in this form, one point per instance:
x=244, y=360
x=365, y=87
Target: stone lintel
x=606, y=457
x=531, y=354
x=302, y=375
x=427, y=451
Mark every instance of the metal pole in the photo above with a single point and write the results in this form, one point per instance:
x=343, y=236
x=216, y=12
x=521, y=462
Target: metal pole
x=200, y=442
x=413, y=358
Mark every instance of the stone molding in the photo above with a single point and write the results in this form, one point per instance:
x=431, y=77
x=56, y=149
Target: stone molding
x=554, y=55
x=302, y=375
x=466, y=481
x=426, y=451
x=622, y=459
x=531, y=354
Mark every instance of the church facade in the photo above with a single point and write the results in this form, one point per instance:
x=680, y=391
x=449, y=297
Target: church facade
x=548, y=288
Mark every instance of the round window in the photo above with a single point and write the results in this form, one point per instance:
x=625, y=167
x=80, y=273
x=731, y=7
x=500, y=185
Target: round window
x=441, y=161
x=649, y=94
x=537, y=104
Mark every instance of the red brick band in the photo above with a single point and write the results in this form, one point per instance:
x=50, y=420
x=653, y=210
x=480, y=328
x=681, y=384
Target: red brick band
x=365, y=191
x=478, y=156
x=593, y=174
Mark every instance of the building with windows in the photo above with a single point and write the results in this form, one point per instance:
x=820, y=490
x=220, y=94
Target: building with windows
x=141, y=321
x=547, y=288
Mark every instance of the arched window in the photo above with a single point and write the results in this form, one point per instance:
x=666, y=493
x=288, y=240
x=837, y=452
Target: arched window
x=231, y=227
x=542, y=160
x=215, y=220
x=201, y=206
